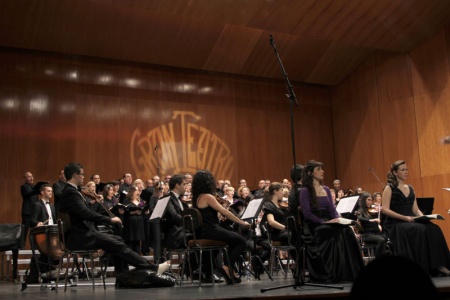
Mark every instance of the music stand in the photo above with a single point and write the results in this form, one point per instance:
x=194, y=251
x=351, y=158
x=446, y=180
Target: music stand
x=347, y=207
x=155, y=218
x=250, y=215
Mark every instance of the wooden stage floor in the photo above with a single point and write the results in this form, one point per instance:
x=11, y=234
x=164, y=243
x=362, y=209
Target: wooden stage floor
x=246, y=290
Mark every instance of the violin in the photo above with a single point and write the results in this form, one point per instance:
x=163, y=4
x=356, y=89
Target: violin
x=87, y=192
x=283, y=203
x=374, y=209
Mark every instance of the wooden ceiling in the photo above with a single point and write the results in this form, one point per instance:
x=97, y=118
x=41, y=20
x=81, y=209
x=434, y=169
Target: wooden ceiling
x=318, y=41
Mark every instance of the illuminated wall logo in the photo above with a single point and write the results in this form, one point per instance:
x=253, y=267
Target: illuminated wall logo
x=182, y=145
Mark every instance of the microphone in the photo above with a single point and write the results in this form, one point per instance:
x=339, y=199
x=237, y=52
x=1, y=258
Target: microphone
x=271, y=40
x=156, y=148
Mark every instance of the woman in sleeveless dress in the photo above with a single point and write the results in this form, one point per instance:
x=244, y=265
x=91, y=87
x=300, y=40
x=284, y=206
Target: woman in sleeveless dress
x=422, y=242
x=203, y=189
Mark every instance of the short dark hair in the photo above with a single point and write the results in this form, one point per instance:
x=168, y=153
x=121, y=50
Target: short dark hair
x=176, y=179
x=44, y=186
x=71, y=169
x=296, y=172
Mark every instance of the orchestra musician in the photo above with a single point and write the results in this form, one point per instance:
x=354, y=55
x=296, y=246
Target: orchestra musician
x=276, y=214
x=203, y=199
x=173, y=225
x=370, y=224
x=329, y=245
x=84, y=236
x=44, y=212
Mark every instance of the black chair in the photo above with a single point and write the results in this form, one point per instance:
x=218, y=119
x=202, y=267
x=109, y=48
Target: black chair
x=192, y=222
x=183, y=258
x=64, y=225
x=277, y=246
x=295, y=227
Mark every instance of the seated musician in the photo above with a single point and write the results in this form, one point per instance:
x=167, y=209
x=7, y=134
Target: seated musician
x=332, y=252
x=84, y=236
x=371, y=230
x=275, y=214
x=203, y=191
x=173, y=223
x=173, y=226
x=44, y=212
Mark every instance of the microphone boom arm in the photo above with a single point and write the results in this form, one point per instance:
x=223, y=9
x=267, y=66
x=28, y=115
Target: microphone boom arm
x=371, y=170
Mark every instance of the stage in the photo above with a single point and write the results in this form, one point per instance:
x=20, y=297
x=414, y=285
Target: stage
x=245, y=290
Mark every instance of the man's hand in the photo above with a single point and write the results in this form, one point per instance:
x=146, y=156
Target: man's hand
x=116, y=220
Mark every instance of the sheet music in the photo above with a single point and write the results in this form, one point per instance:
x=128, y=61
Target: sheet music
x=160, y=208
x=252, y=209
x=346, y=205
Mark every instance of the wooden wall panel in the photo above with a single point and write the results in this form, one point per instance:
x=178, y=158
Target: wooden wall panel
x=397, y=114
x=357, y=130
x=110, y=115
x=430, y=77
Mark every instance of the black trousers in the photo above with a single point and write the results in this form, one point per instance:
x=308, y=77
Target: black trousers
x=236, y=242
x=123, y=255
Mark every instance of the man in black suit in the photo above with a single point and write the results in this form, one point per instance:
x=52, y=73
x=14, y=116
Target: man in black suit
x=83, y=234
x=174, y=221
x=44, y=212
x=58, y=188
x=173, y=224
x=28, y=199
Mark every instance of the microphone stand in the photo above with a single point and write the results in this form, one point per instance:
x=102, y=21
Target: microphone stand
x=299, y=279
x=291, y=96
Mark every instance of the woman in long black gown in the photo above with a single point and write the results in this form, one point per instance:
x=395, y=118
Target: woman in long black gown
x=422, y=242
x=332, y=252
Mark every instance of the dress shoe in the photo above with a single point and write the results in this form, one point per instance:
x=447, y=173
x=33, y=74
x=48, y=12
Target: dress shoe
x=236, y=280
x=225, y=276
